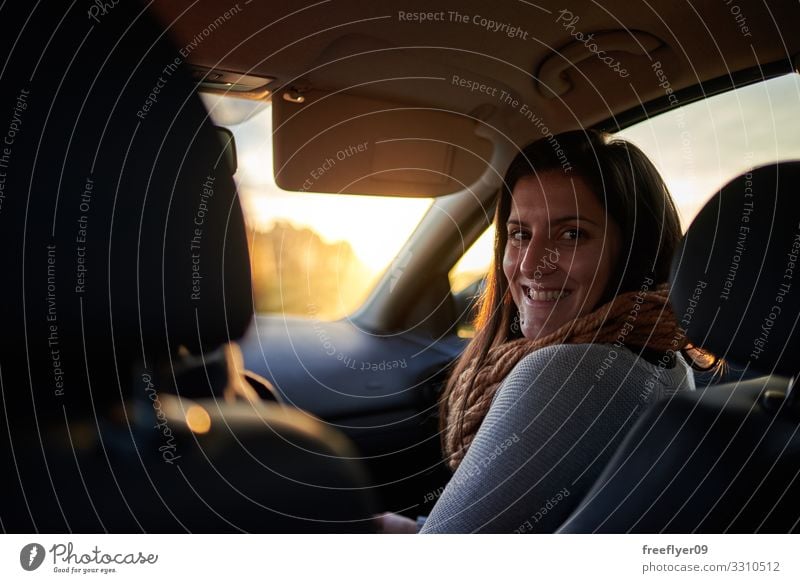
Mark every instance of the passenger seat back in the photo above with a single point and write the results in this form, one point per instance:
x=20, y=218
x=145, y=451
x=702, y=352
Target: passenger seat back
x=124, y=247
x=726, y=459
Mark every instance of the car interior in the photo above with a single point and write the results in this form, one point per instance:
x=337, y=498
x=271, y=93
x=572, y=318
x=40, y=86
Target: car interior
x=172, y=361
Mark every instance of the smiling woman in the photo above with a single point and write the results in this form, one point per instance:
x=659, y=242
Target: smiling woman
x=567, y=243
x=573, y=322
x=556, y=219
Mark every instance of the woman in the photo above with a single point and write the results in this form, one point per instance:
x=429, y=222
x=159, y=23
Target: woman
x=574, y=337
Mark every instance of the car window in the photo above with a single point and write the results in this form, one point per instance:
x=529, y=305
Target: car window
x=474, y=264
x=697, y=148
x=701, y=146
x=316, y=255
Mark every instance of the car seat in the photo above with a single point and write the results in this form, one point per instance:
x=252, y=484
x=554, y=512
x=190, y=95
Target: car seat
x=125, y=252
x=725, y=459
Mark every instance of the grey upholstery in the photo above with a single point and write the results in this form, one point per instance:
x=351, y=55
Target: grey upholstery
x=554, y=423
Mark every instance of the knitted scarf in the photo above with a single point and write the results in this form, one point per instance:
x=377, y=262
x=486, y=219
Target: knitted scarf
x=642, y=319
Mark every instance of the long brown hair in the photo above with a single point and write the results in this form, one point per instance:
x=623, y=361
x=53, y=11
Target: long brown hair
x=634, y=196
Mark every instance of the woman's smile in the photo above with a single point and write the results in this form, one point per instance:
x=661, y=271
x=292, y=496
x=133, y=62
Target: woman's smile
x=542, y=297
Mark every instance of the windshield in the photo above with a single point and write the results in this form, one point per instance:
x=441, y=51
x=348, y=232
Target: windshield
x=316, y=255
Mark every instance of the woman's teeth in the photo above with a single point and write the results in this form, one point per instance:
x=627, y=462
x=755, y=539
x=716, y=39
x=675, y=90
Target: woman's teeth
x=547, y=295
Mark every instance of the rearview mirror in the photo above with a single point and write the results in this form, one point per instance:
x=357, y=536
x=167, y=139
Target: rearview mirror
x=228, y=148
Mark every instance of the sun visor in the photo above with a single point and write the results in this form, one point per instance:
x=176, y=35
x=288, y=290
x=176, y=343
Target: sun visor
x=341, y=143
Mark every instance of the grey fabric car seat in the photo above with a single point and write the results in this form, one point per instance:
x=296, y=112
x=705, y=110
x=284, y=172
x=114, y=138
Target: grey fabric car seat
x=124, y=247
x=726, y=459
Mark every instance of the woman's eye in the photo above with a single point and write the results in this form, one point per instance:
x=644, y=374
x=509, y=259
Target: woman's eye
x=516, y=237
x=572, y=234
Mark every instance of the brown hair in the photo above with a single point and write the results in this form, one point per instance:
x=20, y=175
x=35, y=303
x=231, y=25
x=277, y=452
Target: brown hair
x=634, y=196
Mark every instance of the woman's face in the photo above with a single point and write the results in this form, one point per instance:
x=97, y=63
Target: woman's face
x=560, y=253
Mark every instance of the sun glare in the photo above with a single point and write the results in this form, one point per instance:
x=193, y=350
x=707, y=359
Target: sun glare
x=375, y=227
x=313, y=254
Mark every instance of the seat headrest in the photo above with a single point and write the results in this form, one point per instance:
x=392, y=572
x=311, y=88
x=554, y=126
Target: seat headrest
x=120, y=221
x=736, y=274
x=121, y=231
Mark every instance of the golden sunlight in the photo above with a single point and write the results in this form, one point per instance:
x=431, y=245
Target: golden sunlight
x=315, y=255
x=375, y=227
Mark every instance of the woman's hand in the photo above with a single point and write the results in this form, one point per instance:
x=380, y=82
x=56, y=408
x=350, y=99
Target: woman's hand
x=391, y=523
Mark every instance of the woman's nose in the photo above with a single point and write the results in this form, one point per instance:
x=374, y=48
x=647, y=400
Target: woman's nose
x=539, y=260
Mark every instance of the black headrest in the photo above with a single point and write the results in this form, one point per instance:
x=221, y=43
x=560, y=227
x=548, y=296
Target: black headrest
x=736, y=275
x=120, y=226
